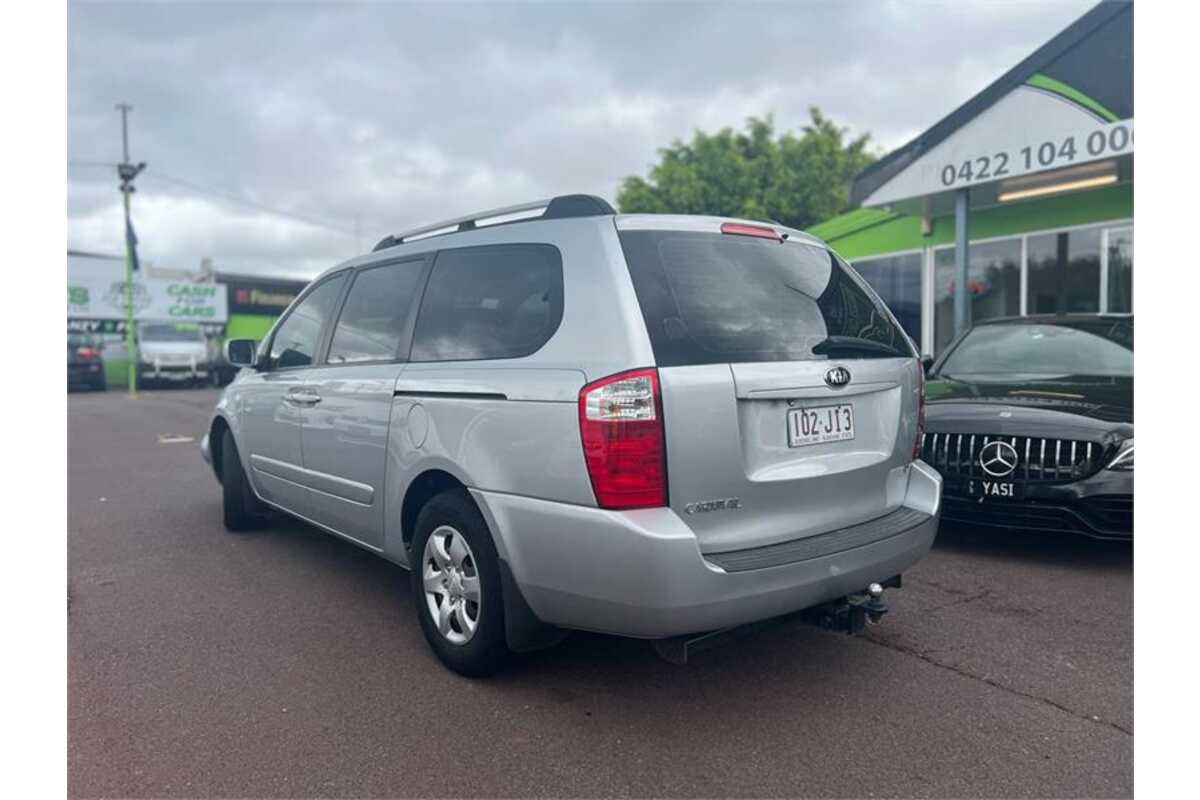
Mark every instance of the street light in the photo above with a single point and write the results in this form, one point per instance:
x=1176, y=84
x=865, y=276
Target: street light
x=127, y=172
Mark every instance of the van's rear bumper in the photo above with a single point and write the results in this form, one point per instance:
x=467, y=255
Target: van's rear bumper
x=641, y=573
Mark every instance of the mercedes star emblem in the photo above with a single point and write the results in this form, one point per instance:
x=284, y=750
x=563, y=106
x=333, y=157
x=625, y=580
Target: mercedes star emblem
x=998, y=459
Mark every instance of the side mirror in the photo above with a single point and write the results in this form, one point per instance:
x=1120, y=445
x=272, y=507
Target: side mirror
x=927, y=363
x=241, y=352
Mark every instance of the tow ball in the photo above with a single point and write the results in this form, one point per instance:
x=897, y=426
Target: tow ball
x=869, y=607
x=853, y=612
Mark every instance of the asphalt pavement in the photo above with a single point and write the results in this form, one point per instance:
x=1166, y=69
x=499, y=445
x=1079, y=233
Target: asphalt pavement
x=287, y=663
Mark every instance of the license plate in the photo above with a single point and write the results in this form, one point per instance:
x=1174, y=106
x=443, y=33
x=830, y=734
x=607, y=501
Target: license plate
x=820, y=424
x=993, y=490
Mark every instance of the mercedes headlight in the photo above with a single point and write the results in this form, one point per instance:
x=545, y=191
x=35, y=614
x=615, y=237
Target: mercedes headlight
x=1124, y=456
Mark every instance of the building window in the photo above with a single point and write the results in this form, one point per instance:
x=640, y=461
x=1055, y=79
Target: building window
x=1064, y=272
x=897, y=279
x=993, y=283
x=1120, y=270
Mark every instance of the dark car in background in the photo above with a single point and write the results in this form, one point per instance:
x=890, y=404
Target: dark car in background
x=85, y=363
x=1030, y=423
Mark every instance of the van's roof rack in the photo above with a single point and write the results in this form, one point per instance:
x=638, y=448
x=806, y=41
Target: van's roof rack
x=561, y=207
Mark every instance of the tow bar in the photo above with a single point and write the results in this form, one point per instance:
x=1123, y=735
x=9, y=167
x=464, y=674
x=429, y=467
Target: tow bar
x=850, y=614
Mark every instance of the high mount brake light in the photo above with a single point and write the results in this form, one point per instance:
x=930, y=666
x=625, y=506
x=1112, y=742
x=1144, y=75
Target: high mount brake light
x=739, y=229
x=624, y=446
x=916, y=453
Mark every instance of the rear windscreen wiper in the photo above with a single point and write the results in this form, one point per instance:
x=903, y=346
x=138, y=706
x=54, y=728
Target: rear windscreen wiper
x=853, y=345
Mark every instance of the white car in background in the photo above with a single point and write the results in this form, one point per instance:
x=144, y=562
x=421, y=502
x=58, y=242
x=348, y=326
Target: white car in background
x=171, y=352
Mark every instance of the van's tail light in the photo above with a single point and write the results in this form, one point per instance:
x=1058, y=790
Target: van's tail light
x=920, y=410
x=621, y=422
x=87, y=353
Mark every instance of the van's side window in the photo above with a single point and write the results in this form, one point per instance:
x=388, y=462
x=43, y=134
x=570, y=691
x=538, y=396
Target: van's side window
x=496, y=301
x=295, y=342
x=373, y=317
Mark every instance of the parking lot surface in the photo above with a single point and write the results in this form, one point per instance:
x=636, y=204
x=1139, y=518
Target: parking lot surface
x=288, y=663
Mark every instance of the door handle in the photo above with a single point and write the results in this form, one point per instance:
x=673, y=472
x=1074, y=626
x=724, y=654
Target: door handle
x=303, y=397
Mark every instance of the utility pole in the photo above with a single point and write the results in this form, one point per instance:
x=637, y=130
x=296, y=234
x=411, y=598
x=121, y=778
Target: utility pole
x=127, y=172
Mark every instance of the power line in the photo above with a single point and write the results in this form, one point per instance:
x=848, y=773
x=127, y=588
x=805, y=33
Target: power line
x=225, y=195
x=233, y=198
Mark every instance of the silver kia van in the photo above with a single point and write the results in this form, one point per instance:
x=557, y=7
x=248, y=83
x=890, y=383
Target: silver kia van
x=559, y=417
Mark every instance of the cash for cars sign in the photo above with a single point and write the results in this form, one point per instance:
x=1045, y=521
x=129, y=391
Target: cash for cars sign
x=102, y=299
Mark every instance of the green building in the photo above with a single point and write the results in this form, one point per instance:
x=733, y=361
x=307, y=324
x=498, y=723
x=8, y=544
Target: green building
x=1018, y=202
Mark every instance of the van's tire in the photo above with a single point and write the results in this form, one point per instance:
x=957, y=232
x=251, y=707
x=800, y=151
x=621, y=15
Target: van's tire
x=243, y=511
x=449, y=515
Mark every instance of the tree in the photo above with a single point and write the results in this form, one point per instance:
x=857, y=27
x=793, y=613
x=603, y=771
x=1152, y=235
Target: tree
x=796, y=180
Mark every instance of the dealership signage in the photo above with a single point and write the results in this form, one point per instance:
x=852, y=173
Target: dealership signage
x=253, y=296
x=117, y=326
x=102, y=299
x=1090, y=143
x=1027, y=131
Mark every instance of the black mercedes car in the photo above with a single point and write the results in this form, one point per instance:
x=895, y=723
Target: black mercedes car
x=1030, y=422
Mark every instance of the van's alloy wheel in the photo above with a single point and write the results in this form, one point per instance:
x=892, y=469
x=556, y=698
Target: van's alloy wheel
x=451, y=581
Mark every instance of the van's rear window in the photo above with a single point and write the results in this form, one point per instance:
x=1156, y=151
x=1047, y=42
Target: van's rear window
x=711, y=298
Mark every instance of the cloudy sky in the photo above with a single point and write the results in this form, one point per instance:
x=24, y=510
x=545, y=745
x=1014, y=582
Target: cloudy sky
x=283, y=137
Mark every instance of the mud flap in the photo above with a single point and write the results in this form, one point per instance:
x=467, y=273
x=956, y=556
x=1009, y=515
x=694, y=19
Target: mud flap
x=523, y=631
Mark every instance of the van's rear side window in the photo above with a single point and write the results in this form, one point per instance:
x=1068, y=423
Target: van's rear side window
x=711, y=298
x=488, y=302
